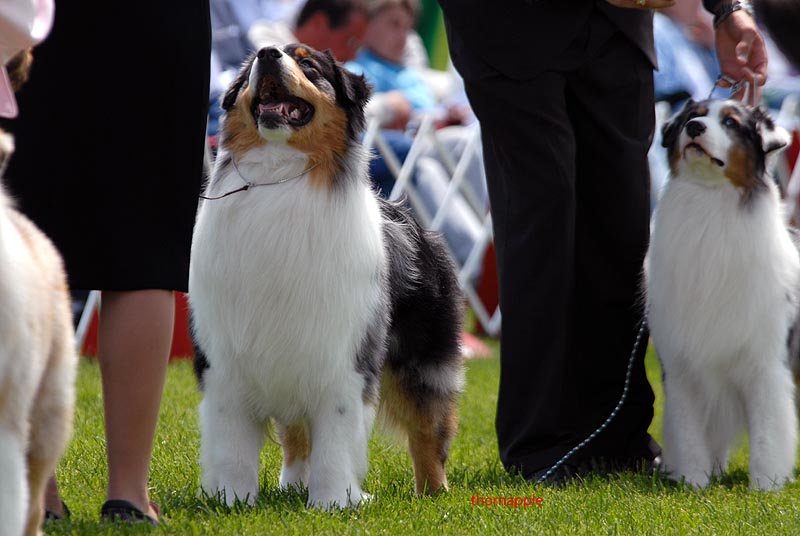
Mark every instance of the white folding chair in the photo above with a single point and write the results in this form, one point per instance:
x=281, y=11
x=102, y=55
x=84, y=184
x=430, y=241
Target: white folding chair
x=426, y=138
x=89, y=308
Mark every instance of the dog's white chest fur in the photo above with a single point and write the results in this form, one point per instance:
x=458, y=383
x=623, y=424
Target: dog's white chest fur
x=285, y=256
x=721, y=276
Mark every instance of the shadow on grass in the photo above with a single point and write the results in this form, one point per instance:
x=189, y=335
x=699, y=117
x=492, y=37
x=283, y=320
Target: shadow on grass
x=194, y=500
x=643, y=482
x=735, y=478
x=90, y=527
x=495, y=476
x=491, y=476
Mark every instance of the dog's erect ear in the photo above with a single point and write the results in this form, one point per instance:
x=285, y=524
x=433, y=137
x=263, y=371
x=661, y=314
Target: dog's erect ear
x=241, y=79
x=355, y=87
x=19, y=67
x=352, y=94
x=672, y=128
x=356, y=91
x=773, y=137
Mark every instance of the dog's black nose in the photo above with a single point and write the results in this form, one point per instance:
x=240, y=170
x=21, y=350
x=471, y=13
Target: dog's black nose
x=695, y=128
x=272, y=51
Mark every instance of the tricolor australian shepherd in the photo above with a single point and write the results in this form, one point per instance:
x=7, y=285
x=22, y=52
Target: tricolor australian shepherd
x=37, y=365
x=312, y=299
x=722, y=277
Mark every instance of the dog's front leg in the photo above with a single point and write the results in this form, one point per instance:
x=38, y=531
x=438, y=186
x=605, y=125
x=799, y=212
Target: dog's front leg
x=772, y=423
x=230, y=444
x=338, y=458
x=686, y=451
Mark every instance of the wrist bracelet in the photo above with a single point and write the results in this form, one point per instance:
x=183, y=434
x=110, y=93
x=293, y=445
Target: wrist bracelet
x=726, y=8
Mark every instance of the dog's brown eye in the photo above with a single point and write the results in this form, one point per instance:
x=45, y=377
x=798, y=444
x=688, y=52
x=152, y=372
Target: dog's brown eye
x=305, y=62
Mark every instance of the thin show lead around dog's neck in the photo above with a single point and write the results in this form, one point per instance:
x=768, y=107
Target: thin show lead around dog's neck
x=248, y=184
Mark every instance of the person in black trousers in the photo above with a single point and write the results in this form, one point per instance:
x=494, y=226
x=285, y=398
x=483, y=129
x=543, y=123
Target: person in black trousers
x=564, y=95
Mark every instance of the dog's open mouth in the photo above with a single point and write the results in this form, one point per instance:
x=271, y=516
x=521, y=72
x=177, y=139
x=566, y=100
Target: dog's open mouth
x=275, y=110
x=700, y=150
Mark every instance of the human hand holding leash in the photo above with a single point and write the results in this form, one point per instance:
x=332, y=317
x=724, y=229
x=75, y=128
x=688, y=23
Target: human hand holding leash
x=642, y=4
x=741, y=53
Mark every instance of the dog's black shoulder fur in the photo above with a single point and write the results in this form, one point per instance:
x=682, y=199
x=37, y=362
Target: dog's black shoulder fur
x=426, y=309
x=200, y=361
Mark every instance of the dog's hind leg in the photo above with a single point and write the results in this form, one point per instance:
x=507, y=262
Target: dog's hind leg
x=772, y=424
x=14, y=489
x=52, y=425
x=230, y=443
x=430, y=422
x=41, y=464
x=429, y=441
x=296, y=450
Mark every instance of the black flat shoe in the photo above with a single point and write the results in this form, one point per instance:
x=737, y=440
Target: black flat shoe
x=120, y=510
x=646, y=460
x=50, y=515
x=563, y=475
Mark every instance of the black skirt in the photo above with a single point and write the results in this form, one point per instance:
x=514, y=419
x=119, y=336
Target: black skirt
x=110, y=137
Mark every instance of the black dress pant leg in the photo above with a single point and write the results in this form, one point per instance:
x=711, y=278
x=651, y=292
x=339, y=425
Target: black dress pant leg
x=611, y=107
x=529, y=152
x=565, y=156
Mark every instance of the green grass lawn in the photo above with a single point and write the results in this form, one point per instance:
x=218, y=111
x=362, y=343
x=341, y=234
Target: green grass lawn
x=625, y=504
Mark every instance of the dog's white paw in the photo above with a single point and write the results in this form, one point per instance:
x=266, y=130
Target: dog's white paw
x=766, y=483
x=693, y=480
x=334, y=501
x=230, y=495
x=294, y=475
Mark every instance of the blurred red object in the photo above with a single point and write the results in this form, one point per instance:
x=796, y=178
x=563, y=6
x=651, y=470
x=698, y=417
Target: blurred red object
x=488, y=290
x=182, y=347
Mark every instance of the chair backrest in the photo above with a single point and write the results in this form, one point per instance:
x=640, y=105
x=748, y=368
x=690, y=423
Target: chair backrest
x=458, y=190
